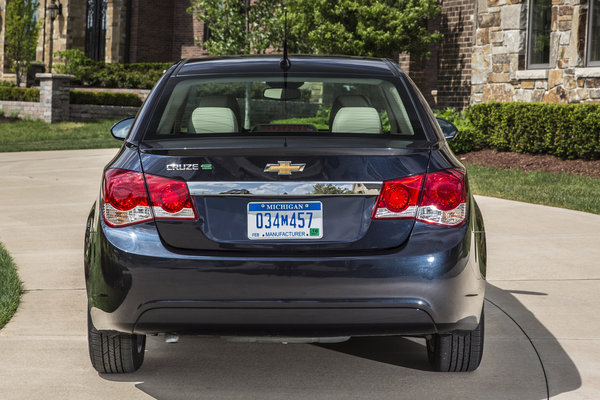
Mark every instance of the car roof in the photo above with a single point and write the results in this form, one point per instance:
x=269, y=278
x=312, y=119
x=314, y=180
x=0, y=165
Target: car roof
x=299, y=64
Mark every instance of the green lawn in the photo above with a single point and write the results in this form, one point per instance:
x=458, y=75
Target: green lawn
x=38, y=135
x=558, y=190
x=10, y=287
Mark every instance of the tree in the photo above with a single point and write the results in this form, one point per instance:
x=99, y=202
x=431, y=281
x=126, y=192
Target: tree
x=21, y=35
x=240, y=26
x=380, y=28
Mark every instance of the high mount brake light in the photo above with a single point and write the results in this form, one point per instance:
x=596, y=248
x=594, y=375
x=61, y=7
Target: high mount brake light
x=126, y=199
x=442, y=198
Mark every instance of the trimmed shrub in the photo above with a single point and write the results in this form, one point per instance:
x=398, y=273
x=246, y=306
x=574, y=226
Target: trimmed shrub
x=105, y=98
x=467, y=139
x=99, y=74
x=563, y=130
x=12, y=93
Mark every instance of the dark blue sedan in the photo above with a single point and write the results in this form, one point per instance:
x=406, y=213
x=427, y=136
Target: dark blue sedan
x=307, y=201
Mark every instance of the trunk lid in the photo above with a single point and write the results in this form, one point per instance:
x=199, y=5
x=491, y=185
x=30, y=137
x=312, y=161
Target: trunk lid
x=232, y=180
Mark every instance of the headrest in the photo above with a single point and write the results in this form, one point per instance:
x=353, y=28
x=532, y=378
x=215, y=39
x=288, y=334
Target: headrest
x=354, y=100
x=213, y=120
x=221, y=101
x=357, y=120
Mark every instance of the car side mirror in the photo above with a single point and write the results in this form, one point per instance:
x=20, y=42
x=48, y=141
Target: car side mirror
x=121, y=128
x=448, y=128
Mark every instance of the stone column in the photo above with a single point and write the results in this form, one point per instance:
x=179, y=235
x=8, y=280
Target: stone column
x=116, y=31
x=54, y=96
x=2, y=33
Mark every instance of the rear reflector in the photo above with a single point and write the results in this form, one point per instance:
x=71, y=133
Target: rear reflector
x=126, y=199
x=437, y=198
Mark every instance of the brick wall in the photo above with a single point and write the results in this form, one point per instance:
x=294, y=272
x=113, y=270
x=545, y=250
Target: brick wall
x=186, y=28
x=163, y=31
x=151, y=31
x=455, y=52
x=447, y=72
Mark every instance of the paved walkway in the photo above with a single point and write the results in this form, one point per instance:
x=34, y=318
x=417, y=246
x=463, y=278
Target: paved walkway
x=543, y=333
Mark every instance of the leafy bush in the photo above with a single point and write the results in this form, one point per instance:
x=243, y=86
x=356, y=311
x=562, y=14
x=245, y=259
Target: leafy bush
x=12, y=93
x=7, y=84
x=563, y=130
x=99, y=74
x=467, y=138
x=105, y=98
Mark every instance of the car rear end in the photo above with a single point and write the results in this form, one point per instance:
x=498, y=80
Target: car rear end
x=320, y=201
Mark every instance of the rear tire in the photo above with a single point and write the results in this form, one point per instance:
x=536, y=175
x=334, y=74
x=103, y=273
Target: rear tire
x=459, y=351
x=115, y=353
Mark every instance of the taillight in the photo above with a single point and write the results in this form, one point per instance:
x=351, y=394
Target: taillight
x=170, y=199
x=126, y=198
x=436, y=198
x=444, y=198
x=398, y=198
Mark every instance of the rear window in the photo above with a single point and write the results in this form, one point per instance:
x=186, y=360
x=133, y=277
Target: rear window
x=197, y=107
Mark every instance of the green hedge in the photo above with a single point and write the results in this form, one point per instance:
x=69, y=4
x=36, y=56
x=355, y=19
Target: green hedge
x=92, y=73
x=105, y=98
x=10, y=93
x=563, y=130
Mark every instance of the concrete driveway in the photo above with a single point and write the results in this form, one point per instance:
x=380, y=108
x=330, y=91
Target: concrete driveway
x=541, y=313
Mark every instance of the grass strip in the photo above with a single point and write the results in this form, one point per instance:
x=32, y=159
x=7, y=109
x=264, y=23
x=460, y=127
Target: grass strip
x=10, y=287
x=38, y=135
x=558, y=190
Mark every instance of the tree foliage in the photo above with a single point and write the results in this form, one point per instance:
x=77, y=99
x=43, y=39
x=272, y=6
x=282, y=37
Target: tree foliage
x=21, y=35
x=240, y=27
x=380, y=28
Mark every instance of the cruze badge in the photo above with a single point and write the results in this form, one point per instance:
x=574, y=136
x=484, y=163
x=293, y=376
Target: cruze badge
x=182, y=167
x=284, y=167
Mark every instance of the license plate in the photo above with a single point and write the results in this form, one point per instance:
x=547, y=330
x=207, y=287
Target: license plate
x=285, y=220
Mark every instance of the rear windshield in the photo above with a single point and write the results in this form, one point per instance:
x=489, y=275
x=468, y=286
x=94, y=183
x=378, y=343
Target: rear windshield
x=197, y=107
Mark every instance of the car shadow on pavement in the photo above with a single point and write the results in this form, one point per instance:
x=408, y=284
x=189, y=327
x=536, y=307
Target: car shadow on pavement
x=373, y=368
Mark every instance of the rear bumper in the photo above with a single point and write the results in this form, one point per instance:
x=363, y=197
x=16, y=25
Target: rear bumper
x=434, y=283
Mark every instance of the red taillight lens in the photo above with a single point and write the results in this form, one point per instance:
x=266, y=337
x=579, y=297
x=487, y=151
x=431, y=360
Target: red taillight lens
x=170, y=198
x=398, y=198
x=126, y=199
x=443, y=200
x=444, y=190
x=124, y=190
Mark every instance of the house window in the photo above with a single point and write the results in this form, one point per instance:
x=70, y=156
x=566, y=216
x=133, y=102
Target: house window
x=540, y=16
x=593, y=53
x=95, y=29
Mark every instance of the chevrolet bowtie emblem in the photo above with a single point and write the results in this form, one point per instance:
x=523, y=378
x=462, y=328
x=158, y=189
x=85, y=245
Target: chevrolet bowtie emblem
x=284, y=167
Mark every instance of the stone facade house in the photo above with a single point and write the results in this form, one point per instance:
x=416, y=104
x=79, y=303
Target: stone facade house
x=527, y=50
x=536, y=50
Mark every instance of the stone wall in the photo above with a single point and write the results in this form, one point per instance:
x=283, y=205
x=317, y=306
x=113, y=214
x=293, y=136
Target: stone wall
x=116, y=31
x=87, y=112
x=499, y=70
x=22, y=109
x=54, y=104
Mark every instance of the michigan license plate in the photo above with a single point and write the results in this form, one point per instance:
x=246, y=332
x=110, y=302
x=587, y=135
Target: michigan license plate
x=285, y=220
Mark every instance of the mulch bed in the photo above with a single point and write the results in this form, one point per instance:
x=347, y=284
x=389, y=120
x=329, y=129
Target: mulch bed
x=528, y=162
